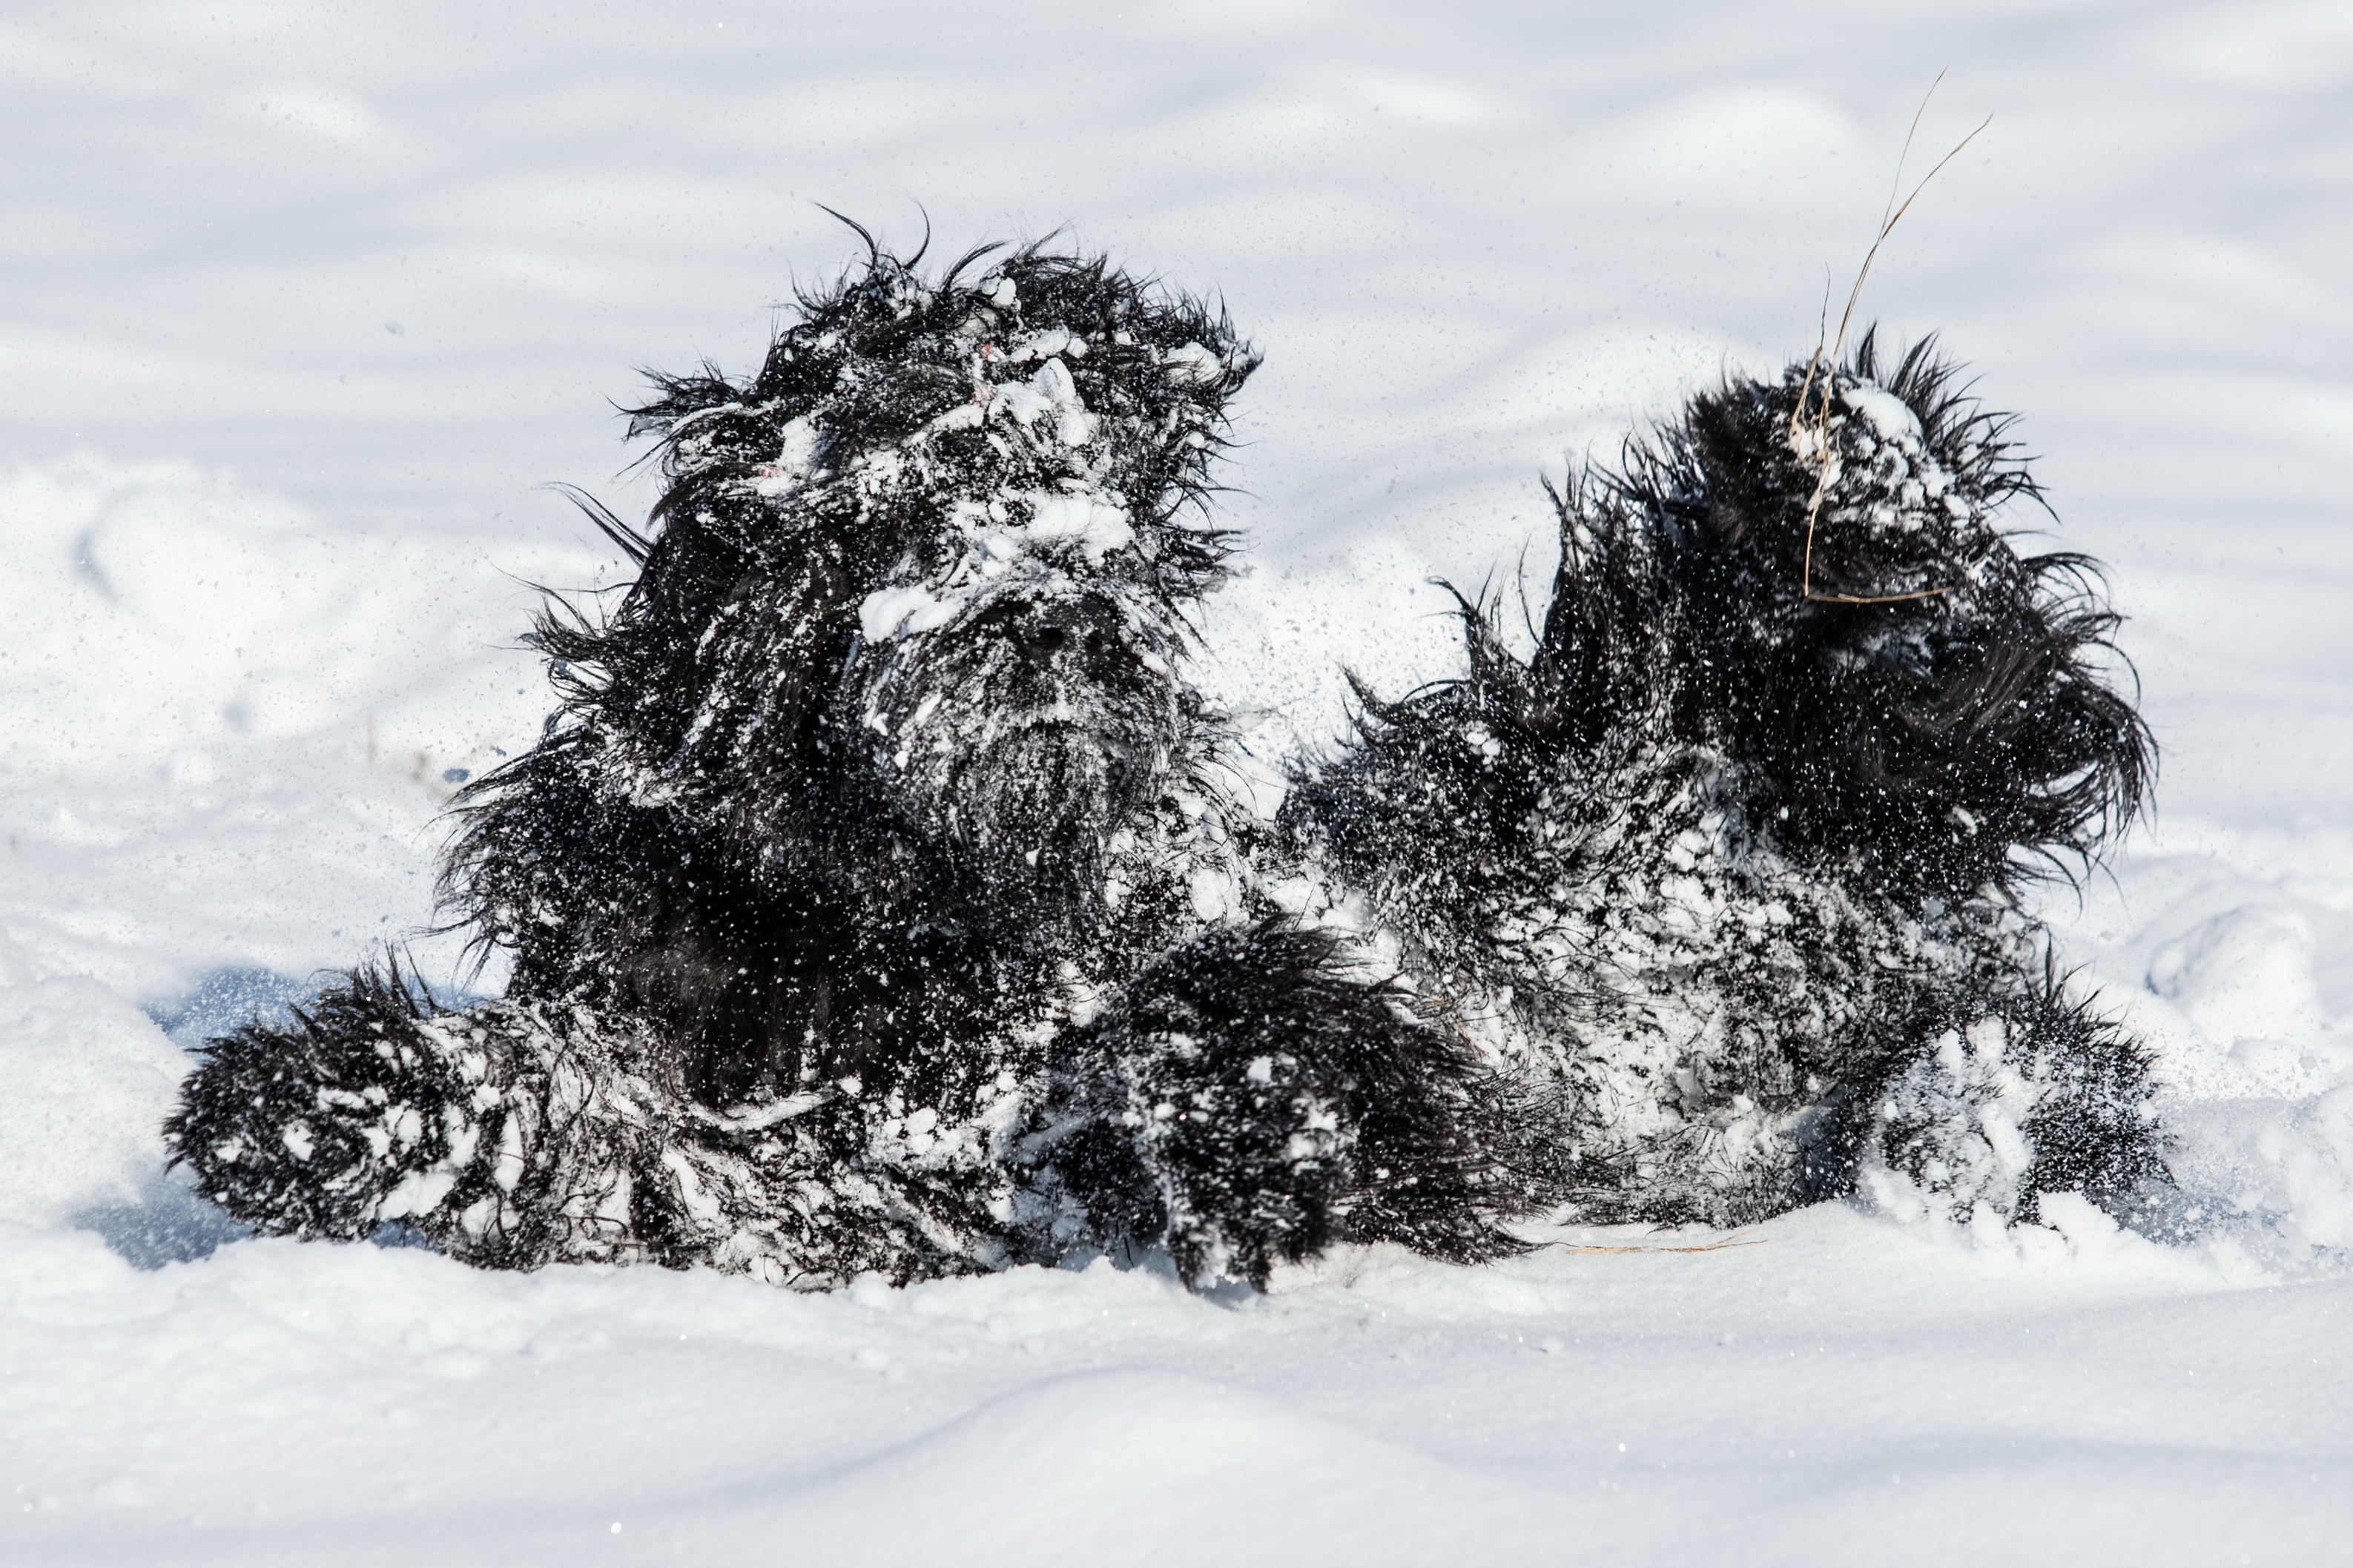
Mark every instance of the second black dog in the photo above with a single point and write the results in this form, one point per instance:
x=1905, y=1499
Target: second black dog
x=1729, y=877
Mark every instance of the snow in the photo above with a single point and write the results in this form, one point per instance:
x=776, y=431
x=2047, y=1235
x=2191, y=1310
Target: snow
x=92, y=1078
x=889, y=612
x=303, y=303
x=1887, y=413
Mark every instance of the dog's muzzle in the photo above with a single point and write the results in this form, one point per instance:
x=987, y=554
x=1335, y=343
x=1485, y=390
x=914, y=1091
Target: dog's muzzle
x=1021, y=738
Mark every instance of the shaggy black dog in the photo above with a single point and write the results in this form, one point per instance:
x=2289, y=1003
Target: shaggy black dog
x=872, y=901
x=874, y=904
x=1728, y=873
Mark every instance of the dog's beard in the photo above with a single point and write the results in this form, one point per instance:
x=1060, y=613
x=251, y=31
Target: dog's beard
x=1021, y=780
x=1031, y=817
x=1028, y=816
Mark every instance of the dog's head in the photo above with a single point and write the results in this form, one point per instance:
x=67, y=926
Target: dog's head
x=1816, y=574
x=1922, y=693
x=1844, y=484
x=928, y=573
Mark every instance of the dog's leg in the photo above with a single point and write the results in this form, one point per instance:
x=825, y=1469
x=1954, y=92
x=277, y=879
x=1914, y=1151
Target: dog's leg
x=1249, y=1101
x=484, y=1131
x=511, y=1136
x=2033, y=1095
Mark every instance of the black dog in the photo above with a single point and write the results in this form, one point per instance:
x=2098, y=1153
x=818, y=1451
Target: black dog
x=1728, y=872
x=871, y=900
x=874, y=905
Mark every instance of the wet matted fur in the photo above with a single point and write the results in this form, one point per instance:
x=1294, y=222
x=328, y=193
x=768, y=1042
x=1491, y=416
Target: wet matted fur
x=873, y=903
x=871, y=900
x=1727, y=874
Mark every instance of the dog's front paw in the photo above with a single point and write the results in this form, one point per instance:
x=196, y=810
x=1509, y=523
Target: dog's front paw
x=1249, y=1101
x=2036, y=1096
x=349, y=1116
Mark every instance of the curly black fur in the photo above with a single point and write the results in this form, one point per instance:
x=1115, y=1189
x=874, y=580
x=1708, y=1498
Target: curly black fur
x=1740, y=846
x=1343, y=1136
x=873, y=904
x=884, y=775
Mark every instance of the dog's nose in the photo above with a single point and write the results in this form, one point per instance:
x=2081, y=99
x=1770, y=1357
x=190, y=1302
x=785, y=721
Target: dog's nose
x=1047, y=638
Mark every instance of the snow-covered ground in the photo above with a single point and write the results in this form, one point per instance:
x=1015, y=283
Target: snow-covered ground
x=300, y=305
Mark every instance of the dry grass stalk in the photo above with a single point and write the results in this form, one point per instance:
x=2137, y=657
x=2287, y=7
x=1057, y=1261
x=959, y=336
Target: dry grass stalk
x=1890, y=216
x=1737, y=1238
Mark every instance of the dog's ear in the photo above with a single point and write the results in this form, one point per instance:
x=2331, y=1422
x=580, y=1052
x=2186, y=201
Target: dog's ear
x=1968, y=700
x=714, y=673
x=713, y=670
